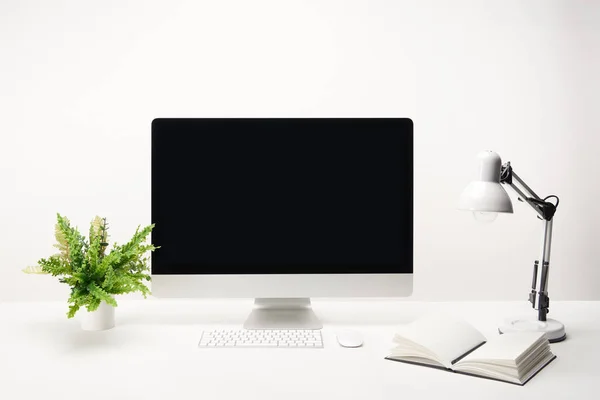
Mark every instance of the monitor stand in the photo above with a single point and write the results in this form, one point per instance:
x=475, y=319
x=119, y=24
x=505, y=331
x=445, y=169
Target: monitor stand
x=282, y=314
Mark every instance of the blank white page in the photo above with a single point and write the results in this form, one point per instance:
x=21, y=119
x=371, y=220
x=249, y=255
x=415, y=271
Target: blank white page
x=506, y=347
x=446, y=336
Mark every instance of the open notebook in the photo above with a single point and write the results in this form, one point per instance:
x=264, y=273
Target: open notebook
x=448, y=343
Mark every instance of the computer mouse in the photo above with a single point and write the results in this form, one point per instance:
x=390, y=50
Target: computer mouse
x=348, y=338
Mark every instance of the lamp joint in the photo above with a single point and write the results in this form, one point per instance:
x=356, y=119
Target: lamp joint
x=546, y=208
x=506, y=174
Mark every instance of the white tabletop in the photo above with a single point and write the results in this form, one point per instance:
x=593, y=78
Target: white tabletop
x=152, y=354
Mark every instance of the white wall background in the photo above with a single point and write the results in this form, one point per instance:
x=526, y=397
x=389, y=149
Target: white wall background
x=80, y=82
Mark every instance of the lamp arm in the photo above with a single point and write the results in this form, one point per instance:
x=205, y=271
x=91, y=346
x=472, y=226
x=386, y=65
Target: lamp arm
x=542, y=207
x=538, y=297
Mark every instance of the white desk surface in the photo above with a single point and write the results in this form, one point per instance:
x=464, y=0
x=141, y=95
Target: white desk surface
x=152, y=354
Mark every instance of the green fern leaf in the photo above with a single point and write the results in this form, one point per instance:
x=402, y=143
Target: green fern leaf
x=101, y=295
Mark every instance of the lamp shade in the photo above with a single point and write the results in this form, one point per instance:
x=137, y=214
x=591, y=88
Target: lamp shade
x=486, y=194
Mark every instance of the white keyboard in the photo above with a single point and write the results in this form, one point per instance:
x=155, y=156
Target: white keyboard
x=261, y=338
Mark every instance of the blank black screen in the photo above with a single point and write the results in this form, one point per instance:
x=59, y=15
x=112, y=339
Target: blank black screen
x=282, y=196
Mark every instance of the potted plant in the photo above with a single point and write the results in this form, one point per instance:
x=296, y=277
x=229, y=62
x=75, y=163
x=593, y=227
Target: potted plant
x=94, y=273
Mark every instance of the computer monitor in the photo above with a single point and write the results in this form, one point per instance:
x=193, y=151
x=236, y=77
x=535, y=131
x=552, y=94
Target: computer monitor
x=281, y=210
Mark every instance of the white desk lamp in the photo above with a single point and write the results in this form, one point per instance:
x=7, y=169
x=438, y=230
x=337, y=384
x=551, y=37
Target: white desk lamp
x=486, y=197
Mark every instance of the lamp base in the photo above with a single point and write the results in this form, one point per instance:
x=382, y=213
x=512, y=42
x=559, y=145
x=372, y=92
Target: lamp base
x=555, y=331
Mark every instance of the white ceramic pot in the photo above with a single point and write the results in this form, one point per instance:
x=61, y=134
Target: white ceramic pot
x=101, y=319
